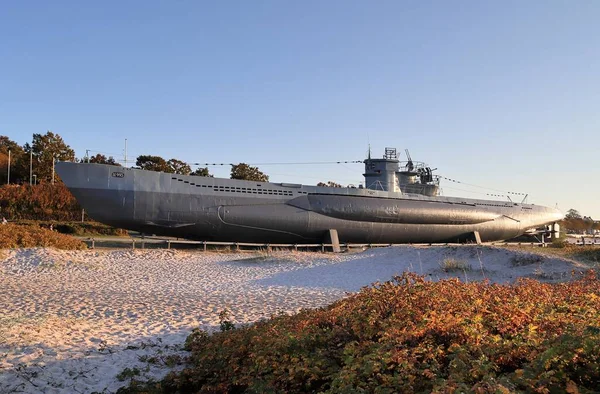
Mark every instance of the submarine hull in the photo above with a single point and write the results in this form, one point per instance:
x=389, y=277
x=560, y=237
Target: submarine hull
x=215, y=209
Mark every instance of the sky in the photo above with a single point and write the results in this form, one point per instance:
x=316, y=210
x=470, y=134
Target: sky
x=499, y=95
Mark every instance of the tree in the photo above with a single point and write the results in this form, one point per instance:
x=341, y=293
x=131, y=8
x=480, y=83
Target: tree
x=179, y=167
x=7, y=144
x=245, y=172
x=202, y=172
x=3, y=167
x=329, y=184
x=573, y=214
x=46, y=149
x=101, y=159
x=574, y=222
x=16, y=154
x=157, y=163
x=152, y=163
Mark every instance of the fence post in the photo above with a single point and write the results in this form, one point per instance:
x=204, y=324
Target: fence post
x=204, y=243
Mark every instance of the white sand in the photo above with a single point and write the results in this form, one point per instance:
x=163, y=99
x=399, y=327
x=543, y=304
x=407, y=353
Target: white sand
x=71, y=321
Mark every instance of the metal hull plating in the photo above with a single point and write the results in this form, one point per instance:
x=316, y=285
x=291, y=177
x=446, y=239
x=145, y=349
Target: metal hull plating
x=245, y=211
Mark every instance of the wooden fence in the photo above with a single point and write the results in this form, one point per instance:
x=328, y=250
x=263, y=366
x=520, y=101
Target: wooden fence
x=168, y=243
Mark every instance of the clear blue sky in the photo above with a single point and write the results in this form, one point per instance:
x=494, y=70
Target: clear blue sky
x=502, y=94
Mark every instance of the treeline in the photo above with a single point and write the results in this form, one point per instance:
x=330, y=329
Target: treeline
x=33, y=162
x=32, y=159
x=329, y=184
x=580, y=226
x=35, y=192
x=575, y=223
x=174, y=166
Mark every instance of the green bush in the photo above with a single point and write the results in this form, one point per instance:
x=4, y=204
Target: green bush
x=559, y=243
x=128, y=373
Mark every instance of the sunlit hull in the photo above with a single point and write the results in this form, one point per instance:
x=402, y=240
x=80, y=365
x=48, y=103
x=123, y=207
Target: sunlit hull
x=243, y=211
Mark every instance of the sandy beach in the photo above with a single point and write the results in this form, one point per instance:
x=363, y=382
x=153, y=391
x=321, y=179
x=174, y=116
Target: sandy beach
x=72, y=321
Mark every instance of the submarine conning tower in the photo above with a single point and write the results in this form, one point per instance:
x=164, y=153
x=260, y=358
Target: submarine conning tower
x=390, y=174
x=380, y=174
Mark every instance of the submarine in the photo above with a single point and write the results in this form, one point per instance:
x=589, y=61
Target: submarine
x=399, y=203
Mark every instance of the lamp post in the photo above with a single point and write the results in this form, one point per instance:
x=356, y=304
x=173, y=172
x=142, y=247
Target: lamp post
x=8, y=176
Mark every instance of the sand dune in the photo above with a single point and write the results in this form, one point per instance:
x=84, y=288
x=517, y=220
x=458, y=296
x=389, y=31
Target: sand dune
x=71, y=321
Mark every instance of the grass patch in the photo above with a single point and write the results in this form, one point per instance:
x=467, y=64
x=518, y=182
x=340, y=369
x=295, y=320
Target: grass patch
x=149, y=359
x=589, y=254
x=453, y=265
x=526, y=259
x=173, y=360
x=540, y=274
x=128, y=373
x=89, y=228
x=23, y=236
x=254, y=258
